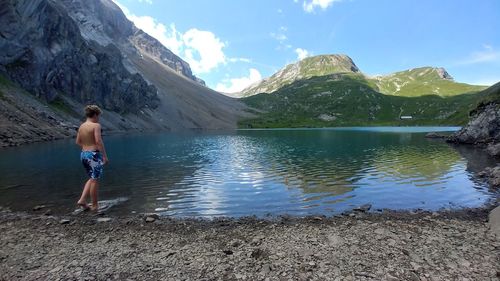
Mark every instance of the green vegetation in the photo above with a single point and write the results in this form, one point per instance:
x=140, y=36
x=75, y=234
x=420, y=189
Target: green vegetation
x=329, y=90
x=350, y=99
x=4, y=81
x=420, y=82
x=492, y=94
x=306, y=68
x=59, y=104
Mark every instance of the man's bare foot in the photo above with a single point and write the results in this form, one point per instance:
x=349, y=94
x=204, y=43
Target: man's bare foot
x=94, y=208
x=83, y=205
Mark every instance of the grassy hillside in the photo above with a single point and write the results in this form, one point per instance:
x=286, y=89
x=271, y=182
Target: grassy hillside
x=351, y=99
x=306, y=68
x=420, y=82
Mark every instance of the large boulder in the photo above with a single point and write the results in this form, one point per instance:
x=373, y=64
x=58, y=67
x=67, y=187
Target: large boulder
x=483, y=128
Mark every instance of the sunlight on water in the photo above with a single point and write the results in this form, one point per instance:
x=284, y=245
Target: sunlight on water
x=255, y=172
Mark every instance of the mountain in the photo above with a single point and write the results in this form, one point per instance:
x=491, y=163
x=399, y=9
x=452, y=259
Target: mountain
x=306, y=68
x=57, y=55
x=344, y=98
x=420, y=82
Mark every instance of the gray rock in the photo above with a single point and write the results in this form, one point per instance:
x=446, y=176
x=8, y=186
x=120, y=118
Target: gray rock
x=103, y=219
x=484, y=126
x=335, y=240
x=493, y=149
x=64, y=221
x=363, y=208
x=494, y=222
x=53, y=60
x=38, y=207
x=150, y=219
x=434, y=135
x=493, y=176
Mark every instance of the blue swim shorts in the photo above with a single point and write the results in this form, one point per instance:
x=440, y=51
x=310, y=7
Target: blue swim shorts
x=92, y=161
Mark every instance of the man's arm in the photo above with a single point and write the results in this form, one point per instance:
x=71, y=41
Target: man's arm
x=100, y=143
x=78, y=140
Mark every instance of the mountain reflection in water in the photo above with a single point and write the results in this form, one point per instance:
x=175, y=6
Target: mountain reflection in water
x=255, y=172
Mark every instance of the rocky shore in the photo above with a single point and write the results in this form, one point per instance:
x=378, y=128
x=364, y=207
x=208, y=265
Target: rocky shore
x=457, y=245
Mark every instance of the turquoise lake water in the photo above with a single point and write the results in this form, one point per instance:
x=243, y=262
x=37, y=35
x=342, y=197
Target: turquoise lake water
x=255, y=172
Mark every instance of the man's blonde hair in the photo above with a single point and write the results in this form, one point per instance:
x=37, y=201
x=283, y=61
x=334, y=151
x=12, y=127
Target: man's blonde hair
x=92, y=110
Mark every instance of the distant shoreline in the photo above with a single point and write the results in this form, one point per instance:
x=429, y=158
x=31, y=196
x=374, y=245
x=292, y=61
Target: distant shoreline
x=5, y=144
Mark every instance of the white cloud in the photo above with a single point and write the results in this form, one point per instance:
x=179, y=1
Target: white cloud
x=146, y=1
x=279, y=36
x=488, y=54
x=310, y=5
x=203, y=50
x=239, y=60
x=235, y=85
x=206, y=46
x=302, y=53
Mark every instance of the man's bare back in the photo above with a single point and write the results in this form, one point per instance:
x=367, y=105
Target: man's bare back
x=87, y=135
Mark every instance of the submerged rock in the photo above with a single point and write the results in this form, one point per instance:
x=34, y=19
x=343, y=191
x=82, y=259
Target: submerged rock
x=494, y=149
x=435, y=135
x=363, y=208
x=492, y=175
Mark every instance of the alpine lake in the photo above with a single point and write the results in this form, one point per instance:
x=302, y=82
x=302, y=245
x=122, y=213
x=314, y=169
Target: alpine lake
x=267, y=172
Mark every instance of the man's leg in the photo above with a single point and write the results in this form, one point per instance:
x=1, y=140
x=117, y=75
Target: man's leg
x=85, y=193
x=94, y=186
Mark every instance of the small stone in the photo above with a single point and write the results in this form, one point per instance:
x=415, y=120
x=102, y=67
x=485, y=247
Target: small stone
x=38, y=207
x=414, y=277
x=363, y=208
x=103, y=219
x=150, y=219
x=266, y=268
x=227, y=252
x=64, y=221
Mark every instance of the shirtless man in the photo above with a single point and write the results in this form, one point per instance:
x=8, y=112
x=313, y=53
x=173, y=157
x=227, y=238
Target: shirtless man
x=93, y=155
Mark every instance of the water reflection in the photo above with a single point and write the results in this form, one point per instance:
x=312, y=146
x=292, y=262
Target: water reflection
x=255, y=173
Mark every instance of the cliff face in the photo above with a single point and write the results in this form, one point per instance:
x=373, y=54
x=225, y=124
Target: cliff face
x=103, y=22
x=68, y=53
x=44, y=52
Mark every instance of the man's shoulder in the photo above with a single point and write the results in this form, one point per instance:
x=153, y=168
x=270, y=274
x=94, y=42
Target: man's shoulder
x=90, y=125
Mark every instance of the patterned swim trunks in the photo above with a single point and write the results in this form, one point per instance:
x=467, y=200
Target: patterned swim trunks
x=92, y=161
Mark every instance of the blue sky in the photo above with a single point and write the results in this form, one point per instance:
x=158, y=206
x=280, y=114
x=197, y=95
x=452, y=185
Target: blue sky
x=232, y=43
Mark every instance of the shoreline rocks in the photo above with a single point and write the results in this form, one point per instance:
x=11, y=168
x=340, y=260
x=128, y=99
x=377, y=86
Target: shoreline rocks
x=389, y=246
x=483, y=129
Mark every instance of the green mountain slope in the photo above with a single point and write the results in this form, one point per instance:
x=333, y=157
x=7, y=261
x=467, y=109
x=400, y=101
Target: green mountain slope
x=306, y=68
x=331, y=91
x=352, y=100
x=420, y=82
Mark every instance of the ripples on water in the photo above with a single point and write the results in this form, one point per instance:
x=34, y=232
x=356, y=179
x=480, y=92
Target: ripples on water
x=254, y=172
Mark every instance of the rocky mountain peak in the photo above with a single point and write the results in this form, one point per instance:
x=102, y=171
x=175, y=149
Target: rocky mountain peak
x=311, y=66
x=443, y=74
